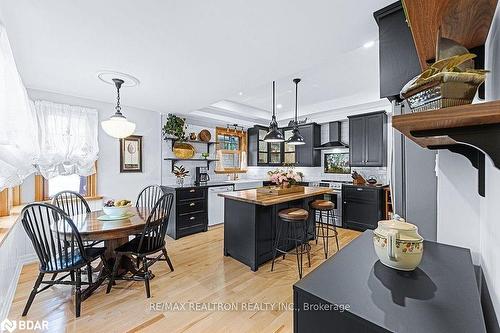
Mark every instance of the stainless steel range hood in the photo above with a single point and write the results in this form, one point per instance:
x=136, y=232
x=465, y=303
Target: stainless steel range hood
x=334, y=135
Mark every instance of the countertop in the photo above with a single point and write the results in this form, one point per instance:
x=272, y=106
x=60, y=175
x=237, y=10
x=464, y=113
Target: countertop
x=441, y=295
x=251, y=196
x=202, y=185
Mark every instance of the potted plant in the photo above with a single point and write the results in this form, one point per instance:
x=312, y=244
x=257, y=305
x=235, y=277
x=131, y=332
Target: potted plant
x=180, y=172
x=175, y=127
x=285, y=178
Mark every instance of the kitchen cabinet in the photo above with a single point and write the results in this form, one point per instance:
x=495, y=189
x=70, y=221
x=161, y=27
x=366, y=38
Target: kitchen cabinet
x=261, y=153
x=362, y=206
x=368, y=140
x=397, y=54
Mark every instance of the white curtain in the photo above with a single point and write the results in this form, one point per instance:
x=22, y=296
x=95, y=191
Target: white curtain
x=67, y=139
x=18, y=135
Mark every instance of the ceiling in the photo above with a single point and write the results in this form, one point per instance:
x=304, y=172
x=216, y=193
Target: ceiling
x=209, y=59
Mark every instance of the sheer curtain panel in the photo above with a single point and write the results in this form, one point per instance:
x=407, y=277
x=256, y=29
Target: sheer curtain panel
x=18, y=134
x=67, y=138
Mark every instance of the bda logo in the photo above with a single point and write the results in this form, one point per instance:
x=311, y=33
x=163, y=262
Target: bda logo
x=8, y=325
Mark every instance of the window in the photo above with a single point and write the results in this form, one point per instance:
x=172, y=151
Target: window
x=231, y=150
x=9, y=197
x=46, y=189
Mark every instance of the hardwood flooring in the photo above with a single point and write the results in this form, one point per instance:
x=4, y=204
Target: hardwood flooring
x=203, y=280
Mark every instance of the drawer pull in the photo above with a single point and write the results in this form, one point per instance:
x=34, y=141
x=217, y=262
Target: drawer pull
x=192, y=191
x=191, y=204
x=192, y=218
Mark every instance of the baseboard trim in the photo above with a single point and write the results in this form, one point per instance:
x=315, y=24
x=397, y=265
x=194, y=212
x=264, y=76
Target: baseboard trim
x=23, y=260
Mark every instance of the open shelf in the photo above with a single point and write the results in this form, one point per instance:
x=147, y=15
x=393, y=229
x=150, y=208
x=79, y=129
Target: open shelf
x=176, y=159
x=194, y=141
x=470, y=130
x=467, y=22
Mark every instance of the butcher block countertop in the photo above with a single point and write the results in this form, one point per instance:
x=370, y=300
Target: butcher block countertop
x=251, y=196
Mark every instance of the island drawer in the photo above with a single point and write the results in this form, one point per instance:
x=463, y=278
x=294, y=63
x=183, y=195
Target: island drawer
x=194, y=206
x=192, y=219
x=191, y=193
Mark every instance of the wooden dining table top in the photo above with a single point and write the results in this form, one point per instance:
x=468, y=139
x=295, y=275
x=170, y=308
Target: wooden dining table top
x=90, y=227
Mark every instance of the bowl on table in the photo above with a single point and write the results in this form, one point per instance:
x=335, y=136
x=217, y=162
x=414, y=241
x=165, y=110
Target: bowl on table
x=115, y=211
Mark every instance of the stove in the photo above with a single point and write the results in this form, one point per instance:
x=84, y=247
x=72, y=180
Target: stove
x=336, y=197
x=333, y=184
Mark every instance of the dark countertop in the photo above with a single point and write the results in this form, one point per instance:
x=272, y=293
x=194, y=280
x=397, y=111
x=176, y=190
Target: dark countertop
x=441, y=295
x=202, y=185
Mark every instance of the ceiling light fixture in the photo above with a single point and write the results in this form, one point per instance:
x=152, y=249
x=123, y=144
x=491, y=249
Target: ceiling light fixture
x=279, y=106
x=369, y=44
x=240, y=93
x=296, y=138
x=274, y=134
x=118, y=126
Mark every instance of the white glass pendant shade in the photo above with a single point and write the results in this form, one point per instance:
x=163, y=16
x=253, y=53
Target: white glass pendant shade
x=118, y=127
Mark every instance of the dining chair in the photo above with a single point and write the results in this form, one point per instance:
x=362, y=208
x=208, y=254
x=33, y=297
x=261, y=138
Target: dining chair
x=149, y=196
x=151, y=241
x=73, y=203
x=59, y=248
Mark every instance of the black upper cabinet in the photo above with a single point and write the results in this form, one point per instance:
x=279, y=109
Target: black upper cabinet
x=368, y=140
x=261, y=153
x=397, y=54
x=306, y=154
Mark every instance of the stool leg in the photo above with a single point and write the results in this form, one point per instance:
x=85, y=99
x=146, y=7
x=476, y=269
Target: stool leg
x=327, y=238
x=316, y=226
x=306, y=243
x=299, y=257
x=276, y=242
x=336, y=237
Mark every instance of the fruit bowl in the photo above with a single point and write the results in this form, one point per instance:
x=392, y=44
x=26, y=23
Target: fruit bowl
x=116, y=211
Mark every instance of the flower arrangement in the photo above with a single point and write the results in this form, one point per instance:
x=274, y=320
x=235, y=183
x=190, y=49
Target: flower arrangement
x=285, y=178
x=180, y=172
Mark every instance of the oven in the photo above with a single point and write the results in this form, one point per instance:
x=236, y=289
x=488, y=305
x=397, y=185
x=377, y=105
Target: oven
x=334, y=196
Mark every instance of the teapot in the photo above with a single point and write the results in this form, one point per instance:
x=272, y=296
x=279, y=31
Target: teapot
x=398, y=244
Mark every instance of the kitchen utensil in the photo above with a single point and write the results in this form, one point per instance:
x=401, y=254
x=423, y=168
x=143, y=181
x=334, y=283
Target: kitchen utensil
x=205, y=135
x=183, y=150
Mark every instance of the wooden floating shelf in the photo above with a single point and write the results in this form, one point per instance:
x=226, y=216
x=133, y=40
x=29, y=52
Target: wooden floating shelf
x=194, y=141
x=470, y=130
x=467, y=22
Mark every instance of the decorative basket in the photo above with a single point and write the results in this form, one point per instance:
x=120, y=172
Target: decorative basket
x=278, y=190
x=183, y=150
x=442, y=90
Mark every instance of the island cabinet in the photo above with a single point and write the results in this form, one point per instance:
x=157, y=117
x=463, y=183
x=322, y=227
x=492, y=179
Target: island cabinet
x=368, y=140
x=354, y=292
x=250, y=222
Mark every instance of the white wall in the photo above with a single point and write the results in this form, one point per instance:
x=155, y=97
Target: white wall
x=464, y=218
x=110, y=182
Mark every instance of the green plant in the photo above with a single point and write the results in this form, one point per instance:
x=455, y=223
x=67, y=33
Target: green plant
x=180, y=171
x=175, y=126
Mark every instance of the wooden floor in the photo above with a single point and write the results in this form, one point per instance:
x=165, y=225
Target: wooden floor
x=202, y=276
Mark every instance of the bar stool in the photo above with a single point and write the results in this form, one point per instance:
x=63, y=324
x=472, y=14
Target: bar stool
x=324, y=207
x=294, y=220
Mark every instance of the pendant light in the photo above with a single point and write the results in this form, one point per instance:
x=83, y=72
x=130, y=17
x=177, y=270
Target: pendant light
x=118, y=126
x=274, y=134
x=296, y=138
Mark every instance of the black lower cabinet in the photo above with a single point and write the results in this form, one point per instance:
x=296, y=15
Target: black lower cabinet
x=354, y=292
x=362, y=206
x=189, y=211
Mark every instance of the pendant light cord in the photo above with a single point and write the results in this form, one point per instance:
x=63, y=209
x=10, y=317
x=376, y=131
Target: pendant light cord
x=296, y=81
x=274, y=100
x=118, y=84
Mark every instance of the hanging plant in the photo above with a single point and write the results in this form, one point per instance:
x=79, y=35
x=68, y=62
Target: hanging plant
x=175, y=127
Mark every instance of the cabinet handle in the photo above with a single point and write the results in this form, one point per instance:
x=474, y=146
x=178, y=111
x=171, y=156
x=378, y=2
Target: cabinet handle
x=192, y=218
x=192, y=204
x=359, y=189
x=192, y=191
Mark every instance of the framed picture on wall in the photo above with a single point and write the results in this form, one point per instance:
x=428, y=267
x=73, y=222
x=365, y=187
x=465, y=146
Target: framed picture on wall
x=337, y=163
x=131, y=154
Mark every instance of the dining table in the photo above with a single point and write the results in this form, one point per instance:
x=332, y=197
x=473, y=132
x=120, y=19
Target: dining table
x=93, y=228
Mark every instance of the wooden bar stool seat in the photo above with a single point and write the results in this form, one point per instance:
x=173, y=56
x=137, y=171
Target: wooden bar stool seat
x=322, y=205
x=293, y=214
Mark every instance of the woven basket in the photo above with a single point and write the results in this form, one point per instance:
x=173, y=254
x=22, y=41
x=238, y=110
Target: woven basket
x=442, y=90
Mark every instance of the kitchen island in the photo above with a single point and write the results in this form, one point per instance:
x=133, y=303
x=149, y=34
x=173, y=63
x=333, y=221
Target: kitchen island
x=250, y=222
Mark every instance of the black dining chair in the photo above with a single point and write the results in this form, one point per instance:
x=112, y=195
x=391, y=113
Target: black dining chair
x=151, y=241
x=60, y=249
x=149, y=196
x=73, y=203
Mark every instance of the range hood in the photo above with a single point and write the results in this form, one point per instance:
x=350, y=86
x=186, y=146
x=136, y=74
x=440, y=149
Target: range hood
x=334, y=137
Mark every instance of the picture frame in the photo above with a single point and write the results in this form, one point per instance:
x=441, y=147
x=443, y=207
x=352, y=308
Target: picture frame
x=337, y=163
x=131, y=154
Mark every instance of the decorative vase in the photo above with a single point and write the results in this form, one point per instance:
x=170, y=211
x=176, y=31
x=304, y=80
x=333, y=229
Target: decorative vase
x=180, y=181
x=183, y=150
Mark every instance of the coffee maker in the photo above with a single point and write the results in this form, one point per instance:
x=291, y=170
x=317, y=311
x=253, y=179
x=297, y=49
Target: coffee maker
x=202, y=175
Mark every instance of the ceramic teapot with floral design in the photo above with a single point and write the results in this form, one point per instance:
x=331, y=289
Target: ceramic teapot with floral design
x=398, y=244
